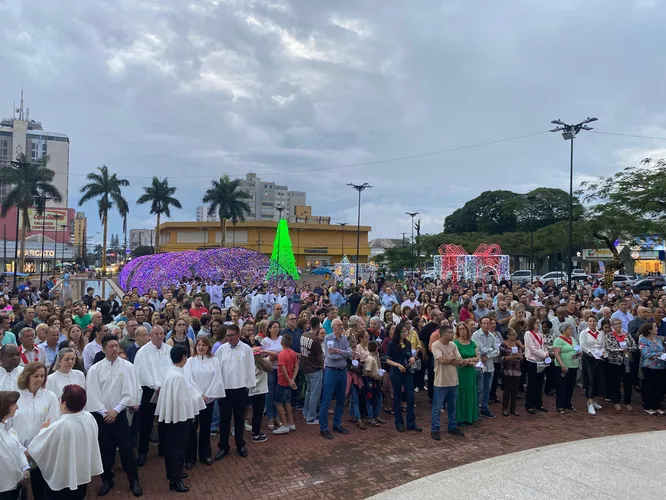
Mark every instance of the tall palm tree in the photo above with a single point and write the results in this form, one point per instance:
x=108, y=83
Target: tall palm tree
x=227, y=201
x=106, y=188
x=28, y=180
x=160, y=196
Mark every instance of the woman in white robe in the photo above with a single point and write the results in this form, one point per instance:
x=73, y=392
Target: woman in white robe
x=204, y=370
x=73, y=436
x=13, y=462
x=64, y=373
x=37, y=406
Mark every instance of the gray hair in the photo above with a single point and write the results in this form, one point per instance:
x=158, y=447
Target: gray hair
x=373, y=320
x=26, y=329
x=354, y=321
x=564, y=326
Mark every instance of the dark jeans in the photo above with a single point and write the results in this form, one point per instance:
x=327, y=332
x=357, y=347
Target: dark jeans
x=10, y=495
x=510, y=392
x=112, y=436
x=533, y=396
x=592, y=376
x=444, y=395
x=66, y=494
x=176, y=436
x=497, y=377
x=550, y=374
x=234, y=404
x=431, y=376
x=617, y=376
x=200, y=442
x=565, y=388
x=37, y=484
x=258, y=402
x=400, y=380
x=335, y=383
x=147, y=415
x=653, y=388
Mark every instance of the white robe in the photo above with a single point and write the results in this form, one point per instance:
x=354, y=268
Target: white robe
x=12, y=459
x=112, y=386
x=179, y=399
x=258, y=302
x=152, y=364
x=32, y=412
x=58, y=380
x=206, y=373
x=67, y=451
x=9, y=381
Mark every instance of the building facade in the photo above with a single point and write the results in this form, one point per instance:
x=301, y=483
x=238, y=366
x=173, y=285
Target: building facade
x=79, y=234
x=265, y=196
x=141, y=238
x=20, y=134
x=313, y=244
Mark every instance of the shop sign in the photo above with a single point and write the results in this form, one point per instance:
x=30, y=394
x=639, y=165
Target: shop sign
x=597, y=254
x=38, y=253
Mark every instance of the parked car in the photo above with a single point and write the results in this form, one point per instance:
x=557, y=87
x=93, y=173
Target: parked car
x=521, y=276
x=651, y=283
x=620, y=279
x=429, y=275
x=320, y=270
x=580, y=276
x=578, y=271
x=557, y=276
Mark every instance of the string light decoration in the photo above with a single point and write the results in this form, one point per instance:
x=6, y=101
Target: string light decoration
x=345, y=269
x=455, y=263
x=240, y=265
x=282, y=258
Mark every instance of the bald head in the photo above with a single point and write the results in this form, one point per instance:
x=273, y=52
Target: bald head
x=157, y=336
x=643, y=313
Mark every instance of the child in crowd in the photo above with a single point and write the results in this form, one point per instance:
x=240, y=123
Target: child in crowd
x=287, y=373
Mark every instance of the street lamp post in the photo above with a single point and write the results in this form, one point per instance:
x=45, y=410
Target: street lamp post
x=342, y=239
x=41, y=205
x=360, y=188
x=531, y=199
x=412, y=215
x=569, y=133
x=62, y=253
x=17, y=165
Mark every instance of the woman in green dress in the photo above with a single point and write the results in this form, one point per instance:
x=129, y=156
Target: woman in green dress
x=467, y=406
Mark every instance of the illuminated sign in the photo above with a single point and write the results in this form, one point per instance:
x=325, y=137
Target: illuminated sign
x=38, y=253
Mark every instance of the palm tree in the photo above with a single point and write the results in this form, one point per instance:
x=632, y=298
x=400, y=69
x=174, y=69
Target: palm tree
x=227, y=201
x=106, y=188
x=28, y=180
x=160, y=196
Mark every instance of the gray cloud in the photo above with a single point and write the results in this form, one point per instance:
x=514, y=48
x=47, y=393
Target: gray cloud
x=294, y=90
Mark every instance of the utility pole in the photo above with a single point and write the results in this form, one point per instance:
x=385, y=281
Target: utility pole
x=531, y=199
x=342, y=239
x=569, y=133
x=412, y=215
x=360, y=188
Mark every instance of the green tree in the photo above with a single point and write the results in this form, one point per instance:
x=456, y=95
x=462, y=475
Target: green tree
x=27, y=180
x=542, y=207
x=160, y=196
x=460, y=221
x=226, y=200
x=106, y=188
x=142, y=250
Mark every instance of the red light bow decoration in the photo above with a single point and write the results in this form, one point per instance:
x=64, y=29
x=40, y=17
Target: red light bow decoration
x=458, y=264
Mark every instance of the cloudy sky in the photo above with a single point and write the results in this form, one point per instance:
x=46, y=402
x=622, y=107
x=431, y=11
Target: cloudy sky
x=303, y=91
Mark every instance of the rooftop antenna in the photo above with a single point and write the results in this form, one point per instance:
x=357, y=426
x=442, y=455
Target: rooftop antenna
x=14, y=110
x=20, y=109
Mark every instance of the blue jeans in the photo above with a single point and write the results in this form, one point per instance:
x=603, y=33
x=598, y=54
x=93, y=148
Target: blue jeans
x=312, y=395
x=443, y=395
x=335, y=382
x=271, y=411
x=374, y=406
x=400, y=380
x=354, y=410
x=484, y=380
x=215, y=421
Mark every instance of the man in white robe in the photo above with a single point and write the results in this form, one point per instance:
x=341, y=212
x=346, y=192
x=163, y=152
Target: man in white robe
x=9, y=367
x=152, y=362
x=30, y=351
x=179, y=401
x=112, y=387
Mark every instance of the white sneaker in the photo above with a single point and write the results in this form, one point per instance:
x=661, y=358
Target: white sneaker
x=416, y=389
x=660, y=412
x=284, y=429
x=292, y=427
x=649, y=412
x=591, y=410
x=248, y=427
x=312, y=422
x=597, y=406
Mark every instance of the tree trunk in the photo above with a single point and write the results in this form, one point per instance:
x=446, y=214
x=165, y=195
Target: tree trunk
x=24, y=232
x=612, y=266
x=156, y=249
x=223, y=228
x=104, y=220
x=124, y=242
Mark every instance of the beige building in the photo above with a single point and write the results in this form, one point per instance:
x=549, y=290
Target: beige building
x=20, y=134
x=80, y=232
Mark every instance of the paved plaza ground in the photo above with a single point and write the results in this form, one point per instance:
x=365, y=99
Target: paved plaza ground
x=303, y=465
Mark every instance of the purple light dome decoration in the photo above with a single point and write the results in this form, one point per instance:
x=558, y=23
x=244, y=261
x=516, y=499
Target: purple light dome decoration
x=246, y=267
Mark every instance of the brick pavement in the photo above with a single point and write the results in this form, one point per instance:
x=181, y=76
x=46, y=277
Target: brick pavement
x=303, y=465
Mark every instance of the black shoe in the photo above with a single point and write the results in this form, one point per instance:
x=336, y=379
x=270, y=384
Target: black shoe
x=457, y=432
x=416, y=428
x=189, y=466
x=532, y=411
x=135, y=488
x=435, y=435
x=221, y=454
x=107, y=486
x=545, y=410
x=207, y=461
x=160, y=451
x=326, y=434
x=340, y=430
x=400, y=428
x=242, y=452
x=178, y=487
x=141, y=461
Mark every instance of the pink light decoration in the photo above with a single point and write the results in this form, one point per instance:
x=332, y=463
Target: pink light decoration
x=458, y=264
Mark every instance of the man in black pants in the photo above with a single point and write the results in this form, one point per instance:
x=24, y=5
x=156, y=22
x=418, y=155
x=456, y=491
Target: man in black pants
x=111, y=388
x=424, y=336
x=237, y=362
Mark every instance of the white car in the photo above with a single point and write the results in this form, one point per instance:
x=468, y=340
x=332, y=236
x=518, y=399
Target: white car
x=521, y=275
x=429, y=274
x=621, y=279
x=557, y=276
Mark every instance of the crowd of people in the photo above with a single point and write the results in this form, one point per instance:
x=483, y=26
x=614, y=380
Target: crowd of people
x=194, y=360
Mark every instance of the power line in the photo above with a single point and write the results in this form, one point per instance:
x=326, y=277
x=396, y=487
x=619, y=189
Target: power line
x=629, y=135
x=353, y=165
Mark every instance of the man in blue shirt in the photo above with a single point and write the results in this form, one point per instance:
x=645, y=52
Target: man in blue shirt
x=50, y=345
x=331, y=314
x=336, y=353
x=336, y=298
x=389, y=298
x=623, y=314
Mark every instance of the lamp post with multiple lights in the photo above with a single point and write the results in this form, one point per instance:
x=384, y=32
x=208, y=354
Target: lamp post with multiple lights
x=360, y=188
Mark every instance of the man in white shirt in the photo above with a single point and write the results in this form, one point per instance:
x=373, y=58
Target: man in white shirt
x=151, y=363
x=28, y=351
x=411, y=302
x=9, y=367
x=486, y=344
x=112, y=388
x=237, y=364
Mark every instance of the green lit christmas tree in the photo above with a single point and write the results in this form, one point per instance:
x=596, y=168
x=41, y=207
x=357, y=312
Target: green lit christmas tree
x=282, y=258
